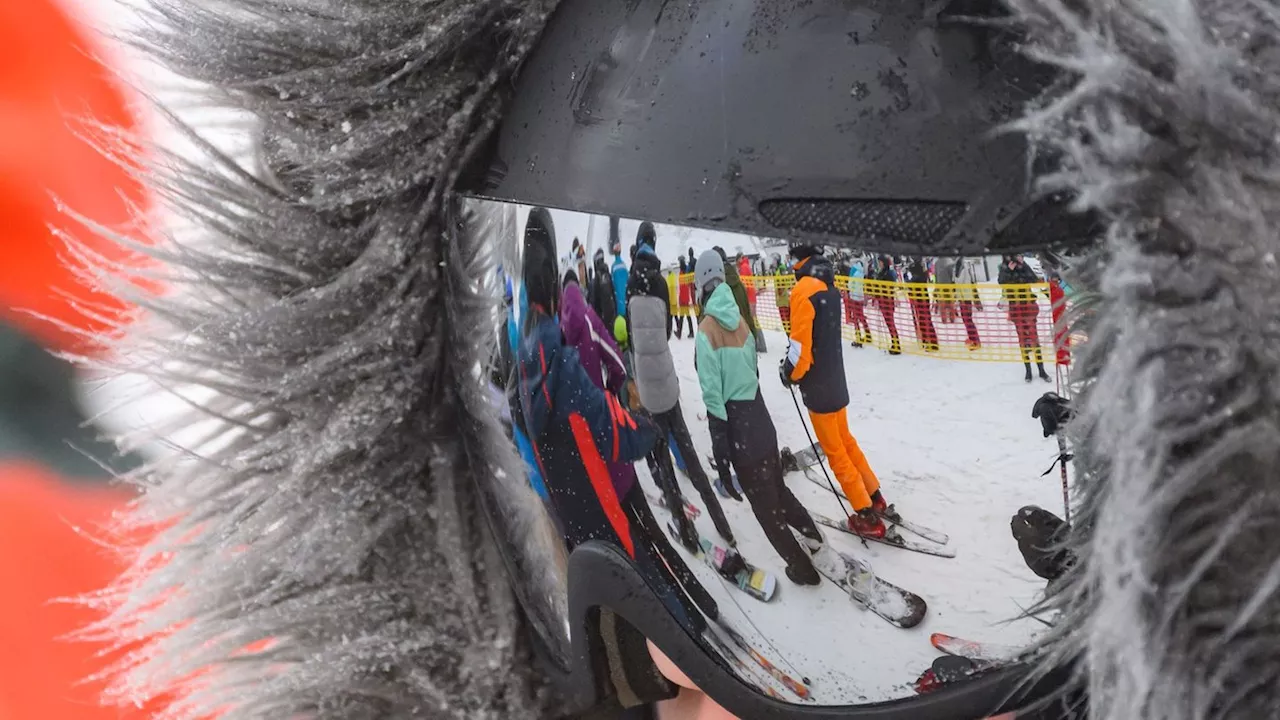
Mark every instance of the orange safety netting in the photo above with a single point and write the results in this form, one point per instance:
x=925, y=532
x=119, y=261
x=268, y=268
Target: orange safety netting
x=985, y=322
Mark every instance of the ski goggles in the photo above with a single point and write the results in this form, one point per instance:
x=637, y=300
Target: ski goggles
x=789, y=485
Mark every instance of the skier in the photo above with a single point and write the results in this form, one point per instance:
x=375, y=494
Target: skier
x=741, y=429
x=677, y=289
x=734, y=281
x=815, y=362
x=884, y=295
x=602, y=297
x=918, y=298
x=968, y=299
x=649, y=330
x=747, y=275
x=1023, y=310
x=945, y=292
x=857, y=299
x=619, y=269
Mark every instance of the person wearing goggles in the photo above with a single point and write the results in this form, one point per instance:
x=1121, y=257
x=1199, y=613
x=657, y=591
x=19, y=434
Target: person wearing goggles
x=362, y=538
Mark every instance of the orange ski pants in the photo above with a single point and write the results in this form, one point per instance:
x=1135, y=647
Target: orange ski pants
x=852, y=470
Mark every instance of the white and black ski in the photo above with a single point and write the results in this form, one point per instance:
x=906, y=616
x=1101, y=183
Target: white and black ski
x=896, y=605
x=891, y=538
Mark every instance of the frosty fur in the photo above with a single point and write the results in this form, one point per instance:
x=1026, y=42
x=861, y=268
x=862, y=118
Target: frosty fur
x=1168, y=126
x=325, y=552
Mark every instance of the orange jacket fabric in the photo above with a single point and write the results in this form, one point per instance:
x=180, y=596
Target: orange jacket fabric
x=47, y=552
x=50, y=82
x=802, y=315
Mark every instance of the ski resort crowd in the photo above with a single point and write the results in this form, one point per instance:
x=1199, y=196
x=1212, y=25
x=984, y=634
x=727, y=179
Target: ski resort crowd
x=952, y=308
x=591, y=388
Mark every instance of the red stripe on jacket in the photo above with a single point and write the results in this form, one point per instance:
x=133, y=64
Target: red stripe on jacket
x=598, y=472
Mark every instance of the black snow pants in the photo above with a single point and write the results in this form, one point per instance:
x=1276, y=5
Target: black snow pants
x=752, y=444
x=671, y=423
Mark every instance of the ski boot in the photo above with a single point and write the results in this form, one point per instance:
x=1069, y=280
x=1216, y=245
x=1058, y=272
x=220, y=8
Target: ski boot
x=895, y=347
x=1028, y=377
x=1044, y=375
x=856, y=343
x=973, y=345
x=688, y=534
x=883, y=508
x=866, y=522
x=803, y=574
x=732, y=565
x=789, y=461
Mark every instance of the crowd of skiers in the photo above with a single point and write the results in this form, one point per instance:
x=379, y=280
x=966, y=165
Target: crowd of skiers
x=592, y=388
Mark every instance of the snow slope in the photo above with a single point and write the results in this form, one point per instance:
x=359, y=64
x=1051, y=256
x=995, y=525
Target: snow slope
x=955, y=449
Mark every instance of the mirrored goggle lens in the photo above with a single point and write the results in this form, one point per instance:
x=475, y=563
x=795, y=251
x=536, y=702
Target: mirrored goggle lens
x=814, y=456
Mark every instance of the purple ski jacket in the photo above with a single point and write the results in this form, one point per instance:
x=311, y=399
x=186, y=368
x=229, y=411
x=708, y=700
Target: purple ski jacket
x=585, y=331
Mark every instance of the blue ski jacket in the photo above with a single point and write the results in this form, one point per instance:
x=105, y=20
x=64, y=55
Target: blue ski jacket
x=620, y=276
x=574, y=427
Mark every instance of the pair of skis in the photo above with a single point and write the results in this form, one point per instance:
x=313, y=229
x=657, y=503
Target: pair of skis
x=935, y=544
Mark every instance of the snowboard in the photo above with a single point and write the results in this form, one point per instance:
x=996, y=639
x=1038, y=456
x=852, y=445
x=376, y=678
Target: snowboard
x=891, y=538
x=897, y=606
x=895, y=518
x=973, y=650
x=691, y=511
x=759, y=584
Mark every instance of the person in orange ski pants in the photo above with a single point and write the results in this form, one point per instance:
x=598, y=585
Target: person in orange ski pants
x=815, y=362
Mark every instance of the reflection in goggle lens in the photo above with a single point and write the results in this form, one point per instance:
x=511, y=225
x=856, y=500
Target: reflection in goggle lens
x=844, y=438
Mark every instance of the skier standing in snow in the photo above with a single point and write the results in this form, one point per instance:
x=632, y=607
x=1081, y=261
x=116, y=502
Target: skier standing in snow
x=602, y=297
x=945, y=292
x=734, y=281
x=679, y=292
x=649, y=330
x=885, y=298
x=1023, y=310
x=741, y=427
x=857, y=299
x=918, y=298
x=967, y=299
x=618, y=271
x=815, y=362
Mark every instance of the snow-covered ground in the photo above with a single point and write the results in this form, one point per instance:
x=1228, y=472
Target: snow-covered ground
x=955, y=449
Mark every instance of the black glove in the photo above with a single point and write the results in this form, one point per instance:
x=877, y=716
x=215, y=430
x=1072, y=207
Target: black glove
x=784, y=373
x=1053, y=410
x=1040, y=534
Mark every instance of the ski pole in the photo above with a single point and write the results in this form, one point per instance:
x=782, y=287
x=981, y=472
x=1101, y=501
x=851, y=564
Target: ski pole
x=821, y=462
x=1063, y=457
